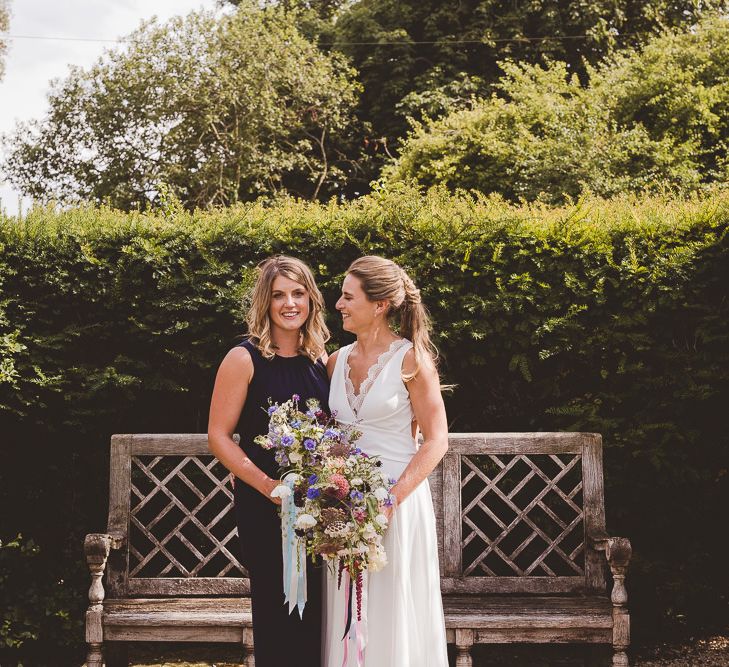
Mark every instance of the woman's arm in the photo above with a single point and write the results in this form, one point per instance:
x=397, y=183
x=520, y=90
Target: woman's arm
x=229, y=397
x=425, y=396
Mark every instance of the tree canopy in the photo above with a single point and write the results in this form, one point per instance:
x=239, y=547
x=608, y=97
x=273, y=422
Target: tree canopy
x=216, y=109
x=647, y=119
x=406, y=47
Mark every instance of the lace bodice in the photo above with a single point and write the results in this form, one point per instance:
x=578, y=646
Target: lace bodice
x=356, y=400
x=381, y=410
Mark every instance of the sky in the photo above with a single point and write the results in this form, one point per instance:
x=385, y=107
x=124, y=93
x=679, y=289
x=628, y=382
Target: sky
x=30, y=64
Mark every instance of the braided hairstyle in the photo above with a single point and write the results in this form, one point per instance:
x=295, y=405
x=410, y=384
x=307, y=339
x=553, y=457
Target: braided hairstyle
x=384, y=280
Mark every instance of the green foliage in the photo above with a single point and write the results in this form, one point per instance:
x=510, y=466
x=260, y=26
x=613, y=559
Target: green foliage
x=648, y=120
x=218, y=109
x=404, y=47
x=35, y=607
x=607, y=316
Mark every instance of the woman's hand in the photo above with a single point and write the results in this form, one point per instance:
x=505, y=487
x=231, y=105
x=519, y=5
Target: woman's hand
x=389, y=510
x=268, y=487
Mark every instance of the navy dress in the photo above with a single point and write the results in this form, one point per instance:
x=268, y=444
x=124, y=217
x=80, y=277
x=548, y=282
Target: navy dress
x=280, y=639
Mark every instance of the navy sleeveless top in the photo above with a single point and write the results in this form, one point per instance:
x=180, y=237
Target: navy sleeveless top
x=277, y=379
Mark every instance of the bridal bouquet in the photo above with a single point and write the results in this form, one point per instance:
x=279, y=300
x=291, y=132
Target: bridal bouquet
x=332, y=494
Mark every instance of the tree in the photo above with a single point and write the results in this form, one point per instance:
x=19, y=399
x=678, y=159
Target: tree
x=4, y=26
x=401, y=47
x=649, y=118
x=215, y=109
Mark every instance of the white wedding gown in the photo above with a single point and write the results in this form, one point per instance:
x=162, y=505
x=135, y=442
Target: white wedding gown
x=402, y=602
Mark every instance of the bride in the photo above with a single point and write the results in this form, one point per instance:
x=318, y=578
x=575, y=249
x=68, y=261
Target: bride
x=387, y=385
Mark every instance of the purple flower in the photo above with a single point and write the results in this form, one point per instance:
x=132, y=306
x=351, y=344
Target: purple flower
x=313, y=479
x=312, y=493
x=310, y=444
x=287, y=440
x=272, y=409
x=356, y=450
x=356, y=495
x=331, y=433
x=295, y=424
x=296, y=397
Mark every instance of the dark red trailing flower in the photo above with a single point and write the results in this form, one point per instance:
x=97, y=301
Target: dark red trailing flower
x=339, y=574
x=359, y=594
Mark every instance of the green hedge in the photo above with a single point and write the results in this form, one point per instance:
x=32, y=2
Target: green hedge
x=603, y=316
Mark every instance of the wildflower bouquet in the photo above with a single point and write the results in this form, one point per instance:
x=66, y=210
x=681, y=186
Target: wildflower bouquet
x=331, y=490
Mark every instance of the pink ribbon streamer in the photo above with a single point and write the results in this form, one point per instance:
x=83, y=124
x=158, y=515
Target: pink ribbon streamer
x=358, y=627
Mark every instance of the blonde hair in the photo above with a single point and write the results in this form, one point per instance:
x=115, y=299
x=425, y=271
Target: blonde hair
x=314, y=333
x=384, y=280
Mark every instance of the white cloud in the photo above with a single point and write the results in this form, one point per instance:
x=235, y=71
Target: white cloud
x=31, y=64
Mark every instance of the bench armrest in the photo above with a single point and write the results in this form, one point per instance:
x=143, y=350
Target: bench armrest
x=617, y=552
x=617, y=549
x=97, y=547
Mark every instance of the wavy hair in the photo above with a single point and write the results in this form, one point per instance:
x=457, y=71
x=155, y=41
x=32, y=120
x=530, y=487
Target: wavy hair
x=314, y=333
x=384, y=280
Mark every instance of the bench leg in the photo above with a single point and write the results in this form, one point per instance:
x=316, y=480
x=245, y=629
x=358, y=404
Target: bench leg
x=464, y=642
x=94, y=656
x=249, y=659
x=620, y=659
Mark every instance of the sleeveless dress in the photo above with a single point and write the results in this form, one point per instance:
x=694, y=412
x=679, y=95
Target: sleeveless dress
x=405, y=624
x=280, y=639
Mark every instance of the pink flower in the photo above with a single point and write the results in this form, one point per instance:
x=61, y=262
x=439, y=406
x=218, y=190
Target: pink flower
x=340, y=484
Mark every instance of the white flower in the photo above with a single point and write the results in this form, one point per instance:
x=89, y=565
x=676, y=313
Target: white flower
x=381, y=519
x=281, y=491
x=295, y=457
x=305, y=521
x=377, y=558
x=369, y=532
x=381, y=493
x=356, y=481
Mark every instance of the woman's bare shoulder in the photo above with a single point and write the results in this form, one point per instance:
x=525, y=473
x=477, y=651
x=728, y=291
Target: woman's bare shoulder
x=238, y=361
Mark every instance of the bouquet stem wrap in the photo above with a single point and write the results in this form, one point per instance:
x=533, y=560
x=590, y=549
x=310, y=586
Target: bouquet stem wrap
x=294, y=552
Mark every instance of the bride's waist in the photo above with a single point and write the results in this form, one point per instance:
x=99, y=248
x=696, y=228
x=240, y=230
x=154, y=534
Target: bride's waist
x=400, y=447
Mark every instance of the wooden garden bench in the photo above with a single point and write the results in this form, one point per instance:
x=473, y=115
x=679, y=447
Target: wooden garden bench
x=522, y=544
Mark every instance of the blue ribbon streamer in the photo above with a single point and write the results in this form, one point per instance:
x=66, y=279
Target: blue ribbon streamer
x=293, y=552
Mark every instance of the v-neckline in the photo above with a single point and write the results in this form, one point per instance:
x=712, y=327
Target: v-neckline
x=356, y=401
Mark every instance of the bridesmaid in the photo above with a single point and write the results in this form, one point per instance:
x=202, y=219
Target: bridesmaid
x=282, y=356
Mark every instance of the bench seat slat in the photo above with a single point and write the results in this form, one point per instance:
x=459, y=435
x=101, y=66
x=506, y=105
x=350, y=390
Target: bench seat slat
x=528, y=612
x=178, y=611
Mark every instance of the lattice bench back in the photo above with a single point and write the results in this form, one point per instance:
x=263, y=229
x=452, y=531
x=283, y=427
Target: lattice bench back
x=173, y=502
x=514, y=512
